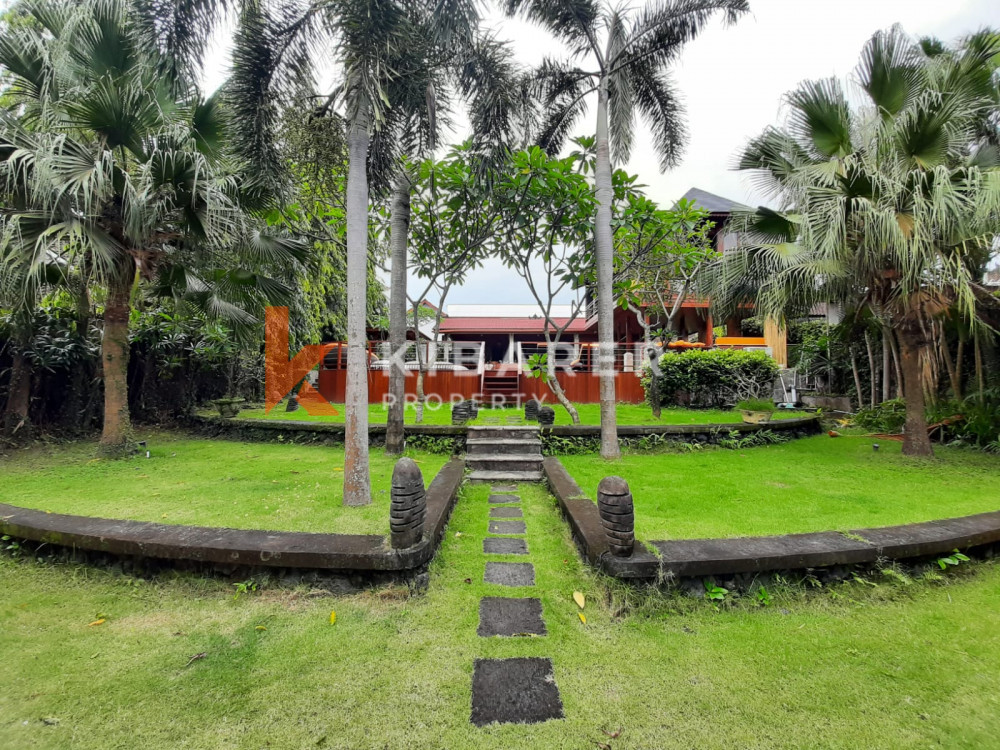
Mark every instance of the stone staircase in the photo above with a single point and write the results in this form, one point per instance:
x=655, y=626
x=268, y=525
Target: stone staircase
x=504, y=454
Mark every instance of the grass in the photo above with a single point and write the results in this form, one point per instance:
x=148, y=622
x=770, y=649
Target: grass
x=887, y=667
x=206, y=482
x=590, y=414
x=814, y=484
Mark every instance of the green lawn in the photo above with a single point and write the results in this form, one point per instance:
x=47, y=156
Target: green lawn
x=628, y=414
x=887, y=667
x=814, y=484
x=206, y=482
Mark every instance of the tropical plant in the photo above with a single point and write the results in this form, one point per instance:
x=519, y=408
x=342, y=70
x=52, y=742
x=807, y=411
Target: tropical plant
x=627, y=51
x=889, y=207
x=119, y=166
x=548, y=210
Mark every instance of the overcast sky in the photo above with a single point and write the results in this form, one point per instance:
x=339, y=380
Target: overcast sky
x=732, y=80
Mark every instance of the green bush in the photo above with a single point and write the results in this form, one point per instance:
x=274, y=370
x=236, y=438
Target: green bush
x=712, y=378
x=889, y=416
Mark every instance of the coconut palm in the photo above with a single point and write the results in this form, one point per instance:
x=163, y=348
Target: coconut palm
x=627, y=52
x=117, y=160
x=889, y=206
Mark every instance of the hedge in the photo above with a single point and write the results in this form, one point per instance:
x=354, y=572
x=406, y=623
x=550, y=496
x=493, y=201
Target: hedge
x=713, y=377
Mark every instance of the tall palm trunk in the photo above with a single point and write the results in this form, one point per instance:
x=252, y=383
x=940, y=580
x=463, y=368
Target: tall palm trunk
x=15, y=415
x=916, y=441
x=604, y=250
x=886, y=374
x=394, y=436
x=356, y=478
x=872, y=372
x=116, y=437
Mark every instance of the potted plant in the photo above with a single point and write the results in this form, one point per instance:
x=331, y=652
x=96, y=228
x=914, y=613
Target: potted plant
x=756, y=410
x=228, y=407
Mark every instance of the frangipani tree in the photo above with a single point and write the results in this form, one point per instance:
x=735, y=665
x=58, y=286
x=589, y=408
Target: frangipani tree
x=621, y=55
x=888, y=206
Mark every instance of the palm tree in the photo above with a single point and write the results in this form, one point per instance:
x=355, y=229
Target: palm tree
x=119, y=161
x=479, y=70
x=887, y=207
x=627, y=53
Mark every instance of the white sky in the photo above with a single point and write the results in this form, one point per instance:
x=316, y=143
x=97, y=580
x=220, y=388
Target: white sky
x=732, y=81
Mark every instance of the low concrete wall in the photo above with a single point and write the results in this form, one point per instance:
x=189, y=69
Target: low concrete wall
x=684, y=558
x=243, y=547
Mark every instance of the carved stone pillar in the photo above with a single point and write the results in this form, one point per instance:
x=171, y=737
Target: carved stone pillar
x=409, y=504
x=614, y=501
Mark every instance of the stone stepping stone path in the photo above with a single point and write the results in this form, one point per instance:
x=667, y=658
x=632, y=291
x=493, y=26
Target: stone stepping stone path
x=507, y=527
x=514, y=691
x=510, y=574
x=504, y=499
x=504, y=546
x=517, y=690
x=505, y=511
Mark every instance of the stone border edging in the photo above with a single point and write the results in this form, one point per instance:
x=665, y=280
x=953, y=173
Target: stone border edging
x=707, y=557
x=804, y=425
x=282, y=549
x=810, y=424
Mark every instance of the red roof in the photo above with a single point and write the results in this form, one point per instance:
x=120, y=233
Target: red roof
x=507, y=325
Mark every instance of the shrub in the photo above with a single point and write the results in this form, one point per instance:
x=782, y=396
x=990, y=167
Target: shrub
x=889, y=416
x=712, y=378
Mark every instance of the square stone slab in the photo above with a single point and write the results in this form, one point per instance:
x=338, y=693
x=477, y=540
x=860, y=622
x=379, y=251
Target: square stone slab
x=510, y=574
x=504, y=499
x=514, y=691
x=510, y=617
x=503, y=488
x=504, y=546
x=505, y=511
x=507, y=527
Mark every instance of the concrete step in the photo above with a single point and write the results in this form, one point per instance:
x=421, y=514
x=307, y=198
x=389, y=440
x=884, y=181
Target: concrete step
x=481, y=475
x=505, y=463
x=502, y=445
x=503, y=432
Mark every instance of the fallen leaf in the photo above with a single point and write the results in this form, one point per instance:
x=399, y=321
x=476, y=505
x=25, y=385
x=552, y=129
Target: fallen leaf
x=260, y=628
x=612, y=735
x=50, y=722
x=195, y=658
x=163, y=516
x=604, y=746
x=96, y=622
x=338, y=468
x=468, y=580
x=458, y=534
x=582, y=618
x=578, y=597
x=333, y=618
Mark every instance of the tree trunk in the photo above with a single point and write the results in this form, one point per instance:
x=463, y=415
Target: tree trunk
x=857, y=378
x=15, y=415
x=419, y=406
x=894, y=348
x=886, y=374
x=394, y=437
x=980, y=378
x=116, y=437
x=872, y=372
x=916, y=441
x=604, y=250
x=356, y=475
x=553, y=382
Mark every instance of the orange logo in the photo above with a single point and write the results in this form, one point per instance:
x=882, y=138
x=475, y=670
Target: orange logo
x=281, y=374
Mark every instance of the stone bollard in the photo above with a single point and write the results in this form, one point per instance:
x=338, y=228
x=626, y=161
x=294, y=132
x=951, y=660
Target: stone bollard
x=614, y=501
x=531, y=410
x=473, y=408
x=461, y=413
x=292, y=405
x=546, y=416
x=409, y=504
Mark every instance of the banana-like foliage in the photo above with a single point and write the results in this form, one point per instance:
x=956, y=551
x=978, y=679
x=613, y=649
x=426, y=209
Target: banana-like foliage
x=891, y=206
x=109, y=154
